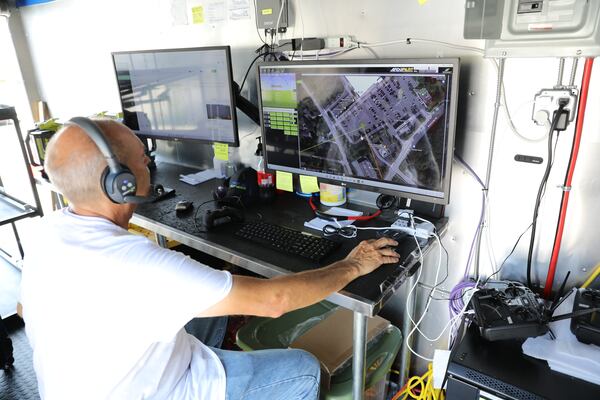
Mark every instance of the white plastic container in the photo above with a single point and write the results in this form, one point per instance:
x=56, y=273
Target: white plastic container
x=332, y=195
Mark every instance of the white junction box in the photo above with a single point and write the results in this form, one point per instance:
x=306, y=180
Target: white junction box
x=547, y=101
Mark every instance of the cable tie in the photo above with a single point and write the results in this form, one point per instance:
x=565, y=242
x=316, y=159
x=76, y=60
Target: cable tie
x=565, y=188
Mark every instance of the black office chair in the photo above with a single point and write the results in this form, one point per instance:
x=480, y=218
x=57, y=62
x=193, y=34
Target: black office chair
x=6, y=348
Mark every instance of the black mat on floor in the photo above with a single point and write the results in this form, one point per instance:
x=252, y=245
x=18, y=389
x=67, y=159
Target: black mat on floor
x=19, y=382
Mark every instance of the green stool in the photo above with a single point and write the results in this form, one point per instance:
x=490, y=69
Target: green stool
x=278, y=333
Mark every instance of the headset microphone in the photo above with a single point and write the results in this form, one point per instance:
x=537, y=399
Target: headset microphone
x=156, y=191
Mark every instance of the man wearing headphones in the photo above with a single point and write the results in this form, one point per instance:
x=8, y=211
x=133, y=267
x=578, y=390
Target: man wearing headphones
x=105, y=309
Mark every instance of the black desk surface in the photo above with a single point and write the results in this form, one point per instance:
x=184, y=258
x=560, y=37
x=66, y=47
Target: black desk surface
x=287, y=210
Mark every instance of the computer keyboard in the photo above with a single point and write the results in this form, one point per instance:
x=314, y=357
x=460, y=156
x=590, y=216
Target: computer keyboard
x=287, y=240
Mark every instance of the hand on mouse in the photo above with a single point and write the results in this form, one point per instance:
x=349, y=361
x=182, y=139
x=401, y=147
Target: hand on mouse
x=368, y=255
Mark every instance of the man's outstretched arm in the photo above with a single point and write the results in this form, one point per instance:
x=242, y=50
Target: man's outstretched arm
x=276, y=296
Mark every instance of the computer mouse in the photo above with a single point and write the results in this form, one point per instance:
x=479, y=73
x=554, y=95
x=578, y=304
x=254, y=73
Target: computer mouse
x=183, y=206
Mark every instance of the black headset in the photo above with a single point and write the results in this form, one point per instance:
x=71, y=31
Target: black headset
x=117, y=181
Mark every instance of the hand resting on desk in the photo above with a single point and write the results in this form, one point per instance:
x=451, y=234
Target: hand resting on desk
x=371, y=254
x=276, y=296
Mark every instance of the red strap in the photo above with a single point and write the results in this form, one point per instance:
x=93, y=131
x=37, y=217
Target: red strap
x=342, y=217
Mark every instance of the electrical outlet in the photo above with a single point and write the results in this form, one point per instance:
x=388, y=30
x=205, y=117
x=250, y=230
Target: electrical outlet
x=546, y=102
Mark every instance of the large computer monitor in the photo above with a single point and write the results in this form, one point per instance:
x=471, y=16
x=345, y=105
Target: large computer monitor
x=381, y=125
x=178, y=93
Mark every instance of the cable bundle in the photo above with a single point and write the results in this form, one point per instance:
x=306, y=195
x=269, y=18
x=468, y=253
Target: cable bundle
x=420, y=388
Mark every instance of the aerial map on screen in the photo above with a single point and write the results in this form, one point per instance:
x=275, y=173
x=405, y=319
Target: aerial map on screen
x=388, y=126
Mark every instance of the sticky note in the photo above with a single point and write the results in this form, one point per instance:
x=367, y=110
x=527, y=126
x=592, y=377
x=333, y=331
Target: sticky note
x=198, y=15
x=267, y=11
x=221, y=151
x=309, y=184
x=284, y=181
x=421, y=2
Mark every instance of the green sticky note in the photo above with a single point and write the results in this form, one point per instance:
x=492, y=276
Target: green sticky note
x=284, y=181
x=309, y=184
x=221, y=151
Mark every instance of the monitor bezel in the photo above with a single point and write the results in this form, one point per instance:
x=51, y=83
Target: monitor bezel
x=455, y=62
x=236, y=136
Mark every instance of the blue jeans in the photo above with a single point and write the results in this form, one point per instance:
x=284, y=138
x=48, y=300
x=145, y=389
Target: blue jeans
x=210, y=331
x=285, y=374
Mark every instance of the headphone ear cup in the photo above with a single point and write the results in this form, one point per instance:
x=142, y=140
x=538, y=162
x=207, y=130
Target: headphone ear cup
x=103, y=182
x=118, y=185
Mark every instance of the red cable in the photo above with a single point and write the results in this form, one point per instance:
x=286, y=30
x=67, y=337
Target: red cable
x=332, y=217
x=587, y=73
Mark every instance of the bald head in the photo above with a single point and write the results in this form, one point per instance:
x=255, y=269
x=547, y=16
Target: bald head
x=75, y=164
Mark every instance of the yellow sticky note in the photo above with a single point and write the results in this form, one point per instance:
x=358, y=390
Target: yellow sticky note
x=309, y=184
x=198, y=15
x=221, y=151
x=421, y=2
x=267, y=11
x=284, y=181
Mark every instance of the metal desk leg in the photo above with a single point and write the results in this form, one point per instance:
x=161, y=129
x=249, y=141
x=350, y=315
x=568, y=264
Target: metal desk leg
x=161, y=240
x=407, y=325
x=359, y=358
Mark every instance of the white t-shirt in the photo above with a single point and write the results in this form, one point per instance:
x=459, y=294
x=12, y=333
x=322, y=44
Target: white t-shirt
x=105, y=309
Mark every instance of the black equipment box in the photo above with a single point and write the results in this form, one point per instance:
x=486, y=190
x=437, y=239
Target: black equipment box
x=480, y=369
x=586, y=328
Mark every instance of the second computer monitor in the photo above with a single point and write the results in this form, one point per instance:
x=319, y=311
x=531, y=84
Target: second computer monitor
x=178, y=93
x=385, y=125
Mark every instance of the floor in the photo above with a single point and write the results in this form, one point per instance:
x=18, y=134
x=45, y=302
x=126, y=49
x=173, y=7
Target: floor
x=19, y=382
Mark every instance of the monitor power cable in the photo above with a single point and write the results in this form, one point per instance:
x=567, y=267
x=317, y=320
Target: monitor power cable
x=541, y=190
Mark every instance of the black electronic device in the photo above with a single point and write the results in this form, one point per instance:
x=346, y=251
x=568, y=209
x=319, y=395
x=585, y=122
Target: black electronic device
x=117, y=181
x=241, y=189
x=480, y=369
x=222, y=216
x=288, y=241
x=179, y=94
x=381, y=125
x=159, y=192
x=509, y=311
x=586, y=328
x=184, y=206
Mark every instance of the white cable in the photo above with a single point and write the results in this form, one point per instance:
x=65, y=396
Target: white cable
x=283, y=3
x=370, y=50
x=410, y=40
x=430, y=298
x=509, y=119
x=298, y=2
x=488, y=234
x=452, y=320
x=408, y=302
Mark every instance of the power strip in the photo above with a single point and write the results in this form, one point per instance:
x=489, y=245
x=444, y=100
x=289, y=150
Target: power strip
x=422, y=230
x=339, y=42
